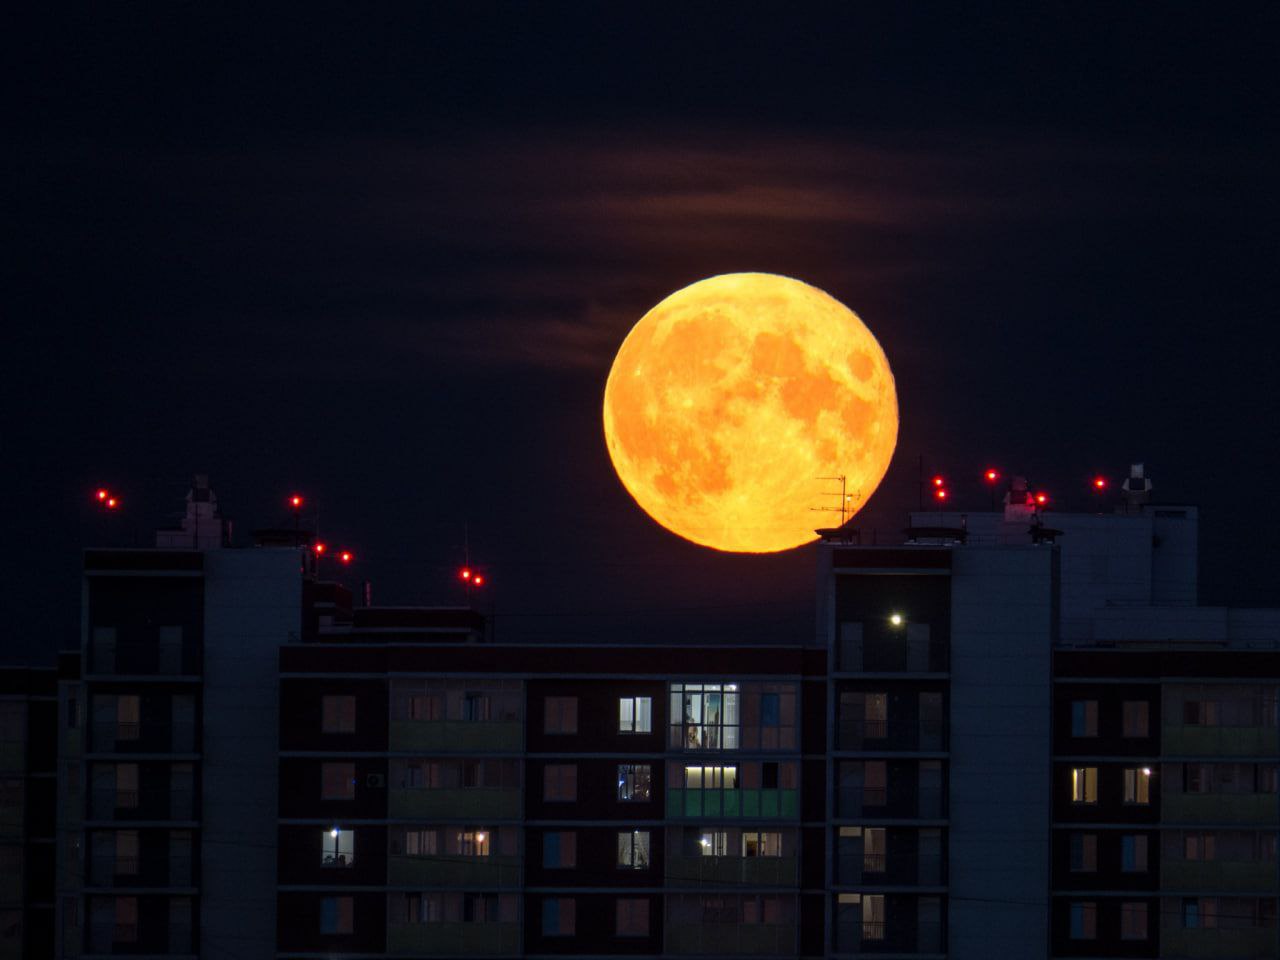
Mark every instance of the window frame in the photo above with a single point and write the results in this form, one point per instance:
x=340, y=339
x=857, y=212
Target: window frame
x=630, y=726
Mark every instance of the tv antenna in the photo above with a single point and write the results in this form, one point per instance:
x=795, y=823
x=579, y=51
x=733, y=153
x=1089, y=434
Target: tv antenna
x=846, y=508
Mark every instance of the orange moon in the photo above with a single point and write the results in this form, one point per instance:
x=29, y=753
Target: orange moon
x=731, y=397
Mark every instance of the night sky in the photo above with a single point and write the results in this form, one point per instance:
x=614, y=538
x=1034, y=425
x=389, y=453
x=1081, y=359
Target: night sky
x=384, y=256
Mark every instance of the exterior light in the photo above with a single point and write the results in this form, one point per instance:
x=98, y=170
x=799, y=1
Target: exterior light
x=940, y=493
x=481, y=836
x=938, y=481
x=345, y=556
x=319, y=548
x=1042, y=498
x=1099, y=483
x=334, y=833
x=1146, y=771
x=103, y=494
x=295, y=501
x=895, y=619
x=992, y=476
x=705, y=842
x=112, y=503
x=465, y=573
x=478, y=580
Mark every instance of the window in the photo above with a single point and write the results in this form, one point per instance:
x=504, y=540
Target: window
x=1201, y=913
x=635, y=715
x=1084, y=784
x=633, y=849
x=1137, y=785
x=873, y=916
x=337, y=914
x=421, y=843
x=761, y=844
x=873, y=850
x=1084, y=852
x=475, y=707
x=705, y=716
x=714, y=843
x=1200, y=713
x=1133, y=853
x=876, y=716
x=635, y=782
x=1137, y=718
x=474, y=843
x=875, y=784
x=128, y=717
x=337, y=781
x=337, y=847
x=425, y=706
x=73, y=713
x=560, y=715
x=559, y=917
x=1199, y=846
x=770, y=710
x=126, y=852
x=710, y=778
x=559, y=849
x=1084, y=920
x=560, y=782
x=1133, y=921
x=632, y=917
x=1267, y=778
x=126, y=926
x=127, y=786
x=338, y=714
x=1084, y=718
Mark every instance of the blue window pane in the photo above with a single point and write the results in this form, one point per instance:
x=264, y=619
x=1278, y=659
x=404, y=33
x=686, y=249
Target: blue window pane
x=329, y=915
x=769, y=712
x=550, y=916
x=551, y=850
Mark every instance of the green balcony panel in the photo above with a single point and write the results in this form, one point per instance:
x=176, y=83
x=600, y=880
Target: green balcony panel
x=455, y=736
x=1242, y=808
x=469, y=872
x=1177, y=740
x=1227, y=876
x=475, y=804
x=715, y=939
x=469, y=939
x=1238, y=944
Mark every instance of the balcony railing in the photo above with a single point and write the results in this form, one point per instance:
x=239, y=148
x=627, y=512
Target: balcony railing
x=873, y=863
x=883, y=735
x=110, y=736
x=110, y=804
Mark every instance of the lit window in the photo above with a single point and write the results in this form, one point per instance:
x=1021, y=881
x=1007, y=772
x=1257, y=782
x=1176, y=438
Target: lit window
x=337, y=914
x=559, y=849
x=338, y=714
x=1133, y=921
x=632, y=918
x=873, y=850
x=873, y=917
x=705, y=716
x=474, y=843
x=560, y=782
x=1137, y=722
x=714, y=843
x=560, y=715
x=338, y=847
x=559, y=917
x=337, y=781
x=761, y=844
x=1084, y=920
x=633, y=849
x=635, y=715
x=1084, y=852
x=710, y=778
x=635, y=781
x=1084, y=718
x=1084, y=784
x=1137, y=785
x=1133, y=853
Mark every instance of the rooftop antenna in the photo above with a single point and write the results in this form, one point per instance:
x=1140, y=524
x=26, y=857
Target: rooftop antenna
x=846, y=500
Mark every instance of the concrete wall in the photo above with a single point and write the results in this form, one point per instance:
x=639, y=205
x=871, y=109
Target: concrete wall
x=1002, y=629
x=253, y=602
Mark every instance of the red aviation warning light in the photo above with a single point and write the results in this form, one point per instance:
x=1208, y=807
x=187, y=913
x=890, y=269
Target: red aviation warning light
x=112, y=503
x=1041, y=499
x=103, y=494
x=319, y=548
x=345, y=556
x=295, y=501
x=938, y=481
x=1099, y=483
x=940, y=494
x=464, y=573
x=991, y=476
x=478, y=580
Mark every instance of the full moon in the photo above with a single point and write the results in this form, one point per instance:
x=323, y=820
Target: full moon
x=731, y=398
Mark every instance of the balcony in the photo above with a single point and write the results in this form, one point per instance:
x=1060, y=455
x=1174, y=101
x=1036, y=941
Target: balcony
x=112, y=871
x=458, y=736
x=733, y=803
x=872, y=937
x=459, y=871
x=881, y=735
x=1233, y=876
x=1178, y=740
x=1238, y=943
x=876, y=803
x=878, y=869
x=1233, y=808
x=128, y=805
x=713, y=939
x=750, y=871
x=490, y=939
x=475, y=802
